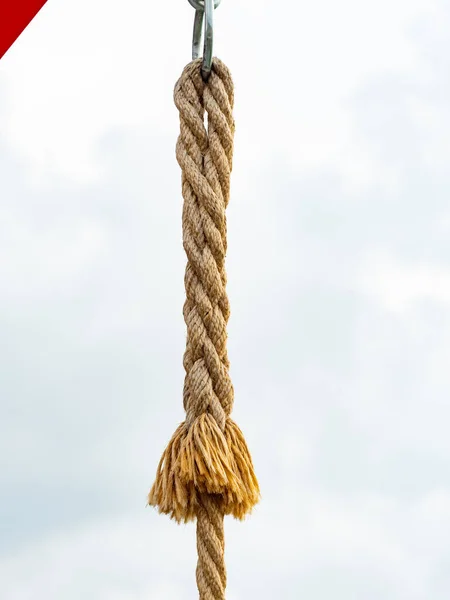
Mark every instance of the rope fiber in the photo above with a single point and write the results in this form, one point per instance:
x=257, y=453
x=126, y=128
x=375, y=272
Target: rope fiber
x=206, y=471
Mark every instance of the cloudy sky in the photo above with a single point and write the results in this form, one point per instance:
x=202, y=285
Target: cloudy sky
x=339, y=282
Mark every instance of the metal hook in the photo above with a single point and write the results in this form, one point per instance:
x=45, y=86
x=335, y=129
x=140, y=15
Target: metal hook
x=203, y=7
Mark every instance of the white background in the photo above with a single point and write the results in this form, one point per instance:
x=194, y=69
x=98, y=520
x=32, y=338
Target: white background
x=339, y=282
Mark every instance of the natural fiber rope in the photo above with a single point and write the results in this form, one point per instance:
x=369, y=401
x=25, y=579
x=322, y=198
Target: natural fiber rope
x=211, y=573
x=206, y=470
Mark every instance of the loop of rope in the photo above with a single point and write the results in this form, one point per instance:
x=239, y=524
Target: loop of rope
x=204, y=156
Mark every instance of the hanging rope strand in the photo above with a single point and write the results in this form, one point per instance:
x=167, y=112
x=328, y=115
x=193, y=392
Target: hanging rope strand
x=206, y=470
x=211, y=572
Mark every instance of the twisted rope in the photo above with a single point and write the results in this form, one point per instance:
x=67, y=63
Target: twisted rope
x=205, y=160
x=206, y=470
x=211, y=573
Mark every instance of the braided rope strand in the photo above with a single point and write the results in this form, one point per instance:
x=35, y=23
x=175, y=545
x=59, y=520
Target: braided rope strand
x=204, y=169
x=206, y=471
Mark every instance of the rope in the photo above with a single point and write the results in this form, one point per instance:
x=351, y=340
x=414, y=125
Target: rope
x=211, y=572
x=206, y=470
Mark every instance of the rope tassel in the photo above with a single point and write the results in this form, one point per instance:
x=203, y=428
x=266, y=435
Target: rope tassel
x=202, y=459
x=206, y=470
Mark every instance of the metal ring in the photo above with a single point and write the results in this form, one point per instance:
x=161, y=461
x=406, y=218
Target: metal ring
x=203, y=8
x=200, y=4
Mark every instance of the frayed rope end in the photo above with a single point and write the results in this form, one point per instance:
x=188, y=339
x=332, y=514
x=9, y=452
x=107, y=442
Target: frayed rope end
x=199, y=459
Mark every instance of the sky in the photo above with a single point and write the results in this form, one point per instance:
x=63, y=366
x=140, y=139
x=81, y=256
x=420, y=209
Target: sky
x=339, y=283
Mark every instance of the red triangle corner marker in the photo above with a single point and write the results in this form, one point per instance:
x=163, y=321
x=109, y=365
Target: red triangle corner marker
x=15, y=15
